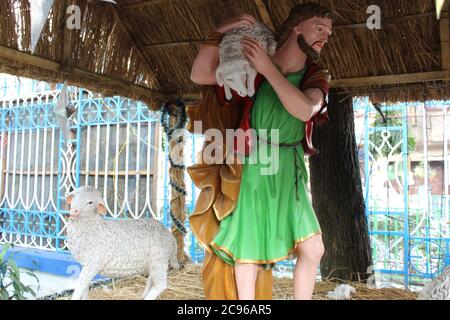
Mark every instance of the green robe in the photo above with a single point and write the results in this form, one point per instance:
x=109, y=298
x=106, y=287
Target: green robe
x=270, y=219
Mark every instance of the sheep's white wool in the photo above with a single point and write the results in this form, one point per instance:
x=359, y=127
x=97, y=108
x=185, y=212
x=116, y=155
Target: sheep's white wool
x=341, y=292
x=116, y=248
x=438, y=289
x=234, y=71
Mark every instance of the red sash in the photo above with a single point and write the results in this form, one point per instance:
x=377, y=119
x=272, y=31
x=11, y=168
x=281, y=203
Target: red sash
x=315, y=77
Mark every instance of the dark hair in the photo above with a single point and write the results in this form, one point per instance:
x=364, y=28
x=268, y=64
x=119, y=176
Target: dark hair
x=299, y=13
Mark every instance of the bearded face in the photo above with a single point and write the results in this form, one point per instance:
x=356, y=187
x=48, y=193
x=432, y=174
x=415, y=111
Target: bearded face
x=312, y=35
x=306, y=48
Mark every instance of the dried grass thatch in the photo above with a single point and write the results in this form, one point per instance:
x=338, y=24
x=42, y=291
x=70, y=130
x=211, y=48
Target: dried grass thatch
x=185, y=284
x=145, y=48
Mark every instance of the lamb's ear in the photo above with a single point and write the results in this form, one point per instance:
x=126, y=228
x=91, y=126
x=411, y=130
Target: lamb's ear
x=219, y=78
x=101, y=207
x=69, y=197
x=271, y=45
x=272, y=48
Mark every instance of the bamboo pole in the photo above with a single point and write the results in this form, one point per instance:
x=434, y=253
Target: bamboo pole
x=66, y=48
x=392, y=79
x=110, y=83
x=143, y=4
x=172, y=44
x=395, y=79
x=264, y=14
x=444, y=34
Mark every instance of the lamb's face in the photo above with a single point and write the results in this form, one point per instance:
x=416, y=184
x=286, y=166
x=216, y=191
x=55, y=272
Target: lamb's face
x=84, y=204
x=238, y=76
x=237, y=82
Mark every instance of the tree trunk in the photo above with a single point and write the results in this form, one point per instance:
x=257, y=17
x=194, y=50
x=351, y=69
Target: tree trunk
x=337, y=195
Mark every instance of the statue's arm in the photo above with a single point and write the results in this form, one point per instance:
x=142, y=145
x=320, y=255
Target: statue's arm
x=205, y=65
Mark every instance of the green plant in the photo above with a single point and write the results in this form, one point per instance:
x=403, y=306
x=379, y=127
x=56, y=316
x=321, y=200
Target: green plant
x=10, y=278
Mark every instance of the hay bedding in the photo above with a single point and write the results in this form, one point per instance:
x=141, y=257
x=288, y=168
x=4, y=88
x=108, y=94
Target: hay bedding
x=185, y=284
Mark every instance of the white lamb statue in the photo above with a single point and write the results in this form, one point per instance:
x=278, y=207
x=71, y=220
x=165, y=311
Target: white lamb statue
x=114, y=248
x=438, y=289
x=234, y=70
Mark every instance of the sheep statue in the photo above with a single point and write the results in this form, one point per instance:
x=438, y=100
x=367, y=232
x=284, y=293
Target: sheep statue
x=438, y=289
x=234, y=70
x=115, y=248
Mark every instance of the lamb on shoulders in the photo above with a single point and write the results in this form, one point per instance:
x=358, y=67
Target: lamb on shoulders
x=234, y=71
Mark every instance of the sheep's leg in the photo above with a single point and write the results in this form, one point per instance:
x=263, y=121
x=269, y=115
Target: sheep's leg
x=173, y=262
x=251, y=76
x=158, y=277
x=85, y=278
x=85, y=295
x=147, y=287
x=228, y=93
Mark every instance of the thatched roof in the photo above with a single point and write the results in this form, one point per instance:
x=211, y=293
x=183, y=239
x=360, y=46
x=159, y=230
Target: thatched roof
x=145, y=48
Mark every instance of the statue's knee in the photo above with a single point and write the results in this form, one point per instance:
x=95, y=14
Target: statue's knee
x=312, y=250
x=320, y=249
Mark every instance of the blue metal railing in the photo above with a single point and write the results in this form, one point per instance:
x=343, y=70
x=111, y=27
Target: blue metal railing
x=34, y=155
x=388, y=223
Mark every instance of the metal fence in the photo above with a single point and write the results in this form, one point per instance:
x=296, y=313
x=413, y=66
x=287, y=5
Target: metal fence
x=409, y=231
x=113, y=146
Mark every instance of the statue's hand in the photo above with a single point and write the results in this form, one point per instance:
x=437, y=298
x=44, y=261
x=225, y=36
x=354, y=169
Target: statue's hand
x=257, y=56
